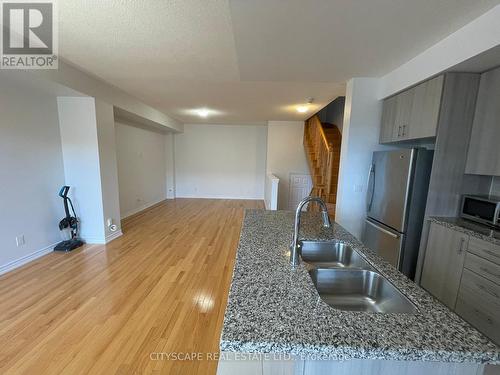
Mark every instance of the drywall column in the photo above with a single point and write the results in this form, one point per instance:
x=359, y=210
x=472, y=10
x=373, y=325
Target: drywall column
x=88, y=145
x=170, y=165
x=360, y=137
x=77, y=121
x=285, y=155
x=105, y=122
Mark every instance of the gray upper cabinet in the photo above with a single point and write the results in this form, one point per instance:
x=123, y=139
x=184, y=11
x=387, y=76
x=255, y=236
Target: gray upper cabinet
x=444, y=261
x=403, y=114
x=388, y=120
x=412, y=114
x=425, y=109
x=483, y=156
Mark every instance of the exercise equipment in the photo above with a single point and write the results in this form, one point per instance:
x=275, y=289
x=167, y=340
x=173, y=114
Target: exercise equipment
x=69, y=222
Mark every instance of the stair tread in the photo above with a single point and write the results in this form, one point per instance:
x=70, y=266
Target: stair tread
x=317, y=161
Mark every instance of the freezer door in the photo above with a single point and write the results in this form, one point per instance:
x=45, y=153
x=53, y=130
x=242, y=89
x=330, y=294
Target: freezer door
x=388, y=187
x=384, y=241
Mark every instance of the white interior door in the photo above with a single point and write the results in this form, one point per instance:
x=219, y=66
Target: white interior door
x=300, y=187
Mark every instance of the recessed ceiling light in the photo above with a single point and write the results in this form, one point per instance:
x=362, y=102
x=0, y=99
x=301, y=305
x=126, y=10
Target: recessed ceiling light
x=203, y=112
x=304, y=108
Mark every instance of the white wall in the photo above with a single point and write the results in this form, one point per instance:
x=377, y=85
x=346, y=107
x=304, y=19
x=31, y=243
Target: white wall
x=170, y=164
x=495, y=186
x=360, y=138
x=31, y=172
x=108, y=167
x=70, y=76
x=220, y=161
x=142, y=166
x=78, y=126
x=285, y=155
x=474, y=38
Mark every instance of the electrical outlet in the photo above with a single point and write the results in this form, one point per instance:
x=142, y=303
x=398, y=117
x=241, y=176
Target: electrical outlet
x=20, y=240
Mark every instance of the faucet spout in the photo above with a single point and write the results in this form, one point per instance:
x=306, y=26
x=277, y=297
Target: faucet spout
x=295, y=246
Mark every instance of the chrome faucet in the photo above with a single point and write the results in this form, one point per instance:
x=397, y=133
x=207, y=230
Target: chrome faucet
x=295, y=246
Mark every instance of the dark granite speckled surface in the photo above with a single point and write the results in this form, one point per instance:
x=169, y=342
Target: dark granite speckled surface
x=274, y=309
x=473, y=229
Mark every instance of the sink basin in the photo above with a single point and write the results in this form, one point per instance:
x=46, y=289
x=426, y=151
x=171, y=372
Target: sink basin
x=331, y=254
x=359, y=290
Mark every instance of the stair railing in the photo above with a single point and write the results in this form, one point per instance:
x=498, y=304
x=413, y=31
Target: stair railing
x=320, y=155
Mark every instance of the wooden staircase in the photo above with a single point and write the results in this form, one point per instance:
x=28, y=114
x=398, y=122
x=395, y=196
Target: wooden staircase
x=322, y=145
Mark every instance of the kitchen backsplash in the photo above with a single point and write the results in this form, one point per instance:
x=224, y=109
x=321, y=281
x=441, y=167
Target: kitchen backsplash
x=495, y=186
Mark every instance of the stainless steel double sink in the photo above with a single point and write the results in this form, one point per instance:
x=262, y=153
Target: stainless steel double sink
x=346, y=281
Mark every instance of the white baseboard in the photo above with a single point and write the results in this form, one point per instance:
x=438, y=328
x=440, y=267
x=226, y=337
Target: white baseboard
x=113, y=236
x=101, y=240
x=26, y=259
x=139, y=209
x=93, y=240
x=192, y=196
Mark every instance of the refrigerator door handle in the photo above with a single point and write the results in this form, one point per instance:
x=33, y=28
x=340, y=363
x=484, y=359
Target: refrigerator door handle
x=393, y=235
x=370, y=191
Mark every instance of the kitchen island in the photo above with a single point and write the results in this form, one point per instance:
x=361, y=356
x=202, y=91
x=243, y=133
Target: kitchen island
x=276, y=321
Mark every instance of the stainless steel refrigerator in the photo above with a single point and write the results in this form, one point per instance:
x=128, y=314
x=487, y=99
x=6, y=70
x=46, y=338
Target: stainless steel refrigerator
x=396, y=196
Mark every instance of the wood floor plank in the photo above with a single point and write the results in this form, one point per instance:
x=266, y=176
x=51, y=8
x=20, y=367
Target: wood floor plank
x=103, y=309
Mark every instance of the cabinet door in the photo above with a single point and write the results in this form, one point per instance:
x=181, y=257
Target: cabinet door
x=483, y=156
x=479, y=302
x=425, y=109
x=403, y=113
x=388, y=120
x=444, y=261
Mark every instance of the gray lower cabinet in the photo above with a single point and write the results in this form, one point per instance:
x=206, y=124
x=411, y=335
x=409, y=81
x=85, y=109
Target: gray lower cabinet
x=413, y=113
x=253, y=364
x=473, y=292
x=444, y=261
x=479, y=303
x=483, y=157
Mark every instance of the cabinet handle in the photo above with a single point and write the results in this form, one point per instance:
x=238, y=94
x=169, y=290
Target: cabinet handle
x=461, y=248
x=404, y=130
x=492, y=253
x=485, y=270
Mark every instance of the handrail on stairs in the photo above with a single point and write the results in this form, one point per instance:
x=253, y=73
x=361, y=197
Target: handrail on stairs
x=322, y=151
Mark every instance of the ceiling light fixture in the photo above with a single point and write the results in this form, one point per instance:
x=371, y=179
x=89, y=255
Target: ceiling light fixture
x=203, y=112
x=305, y=108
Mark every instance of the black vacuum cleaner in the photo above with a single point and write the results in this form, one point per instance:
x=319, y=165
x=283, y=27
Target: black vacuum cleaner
x=70, y=222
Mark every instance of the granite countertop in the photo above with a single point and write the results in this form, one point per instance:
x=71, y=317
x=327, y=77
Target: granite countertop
x=275, y=309
x=477, y=230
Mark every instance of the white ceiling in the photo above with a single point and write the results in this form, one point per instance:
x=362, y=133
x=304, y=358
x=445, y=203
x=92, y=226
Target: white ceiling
x=250, y=60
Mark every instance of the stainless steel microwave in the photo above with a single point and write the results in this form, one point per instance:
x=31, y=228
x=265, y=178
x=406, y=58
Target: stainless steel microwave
x=483, y=209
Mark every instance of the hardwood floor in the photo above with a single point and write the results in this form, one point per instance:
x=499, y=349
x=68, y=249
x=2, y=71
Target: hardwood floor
x=108, y=309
